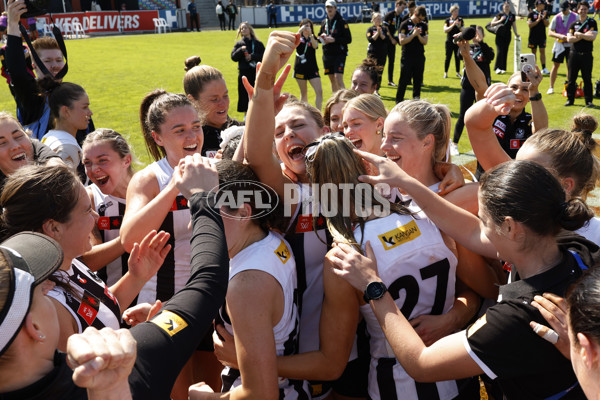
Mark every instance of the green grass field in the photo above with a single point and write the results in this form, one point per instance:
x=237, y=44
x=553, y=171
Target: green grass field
x=117, y=71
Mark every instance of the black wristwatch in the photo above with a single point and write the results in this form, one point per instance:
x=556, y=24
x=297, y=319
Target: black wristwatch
x=536, y=97
x=374, y=291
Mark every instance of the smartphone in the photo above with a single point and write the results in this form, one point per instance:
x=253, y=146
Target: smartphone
x=527, y=65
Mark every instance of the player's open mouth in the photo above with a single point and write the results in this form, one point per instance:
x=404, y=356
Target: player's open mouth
x=295, y=152
x=192, y=147
x=356, y=142
x=102, y=179
x=19, y=157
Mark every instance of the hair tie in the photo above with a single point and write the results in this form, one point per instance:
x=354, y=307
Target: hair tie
x=587, y=133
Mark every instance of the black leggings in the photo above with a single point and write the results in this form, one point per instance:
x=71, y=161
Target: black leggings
x=451, y=48
x=162, y=351
x=381, y=59
x=467, y=98
x=502, y=44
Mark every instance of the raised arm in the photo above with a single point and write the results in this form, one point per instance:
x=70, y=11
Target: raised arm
x=539, y=113
x=147, y=207
x=175, y=333
x=479, y=121
x=260, y=120
x=474, y=73
x=457, y=223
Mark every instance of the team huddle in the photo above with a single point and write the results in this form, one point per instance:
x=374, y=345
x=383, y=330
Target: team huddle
x=302, y=253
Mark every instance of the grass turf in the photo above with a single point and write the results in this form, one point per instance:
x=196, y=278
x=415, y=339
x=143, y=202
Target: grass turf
x=117, y=71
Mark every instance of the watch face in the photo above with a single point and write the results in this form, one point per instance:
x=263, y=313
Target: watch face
x=375, y=290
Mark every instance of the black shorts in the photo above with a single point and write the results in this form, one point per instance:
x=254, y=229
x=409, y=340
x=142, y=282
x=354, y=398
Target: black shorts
x=306, y=72
x=562, y=57
x=537, y=42
x=334, y=64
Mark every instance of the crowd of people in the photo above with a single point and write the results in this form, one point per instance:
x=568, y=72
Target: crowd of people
x=376, y=272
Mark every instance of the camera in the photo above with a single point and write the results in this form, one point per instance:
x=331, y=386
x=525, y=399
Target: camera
x=35, y=8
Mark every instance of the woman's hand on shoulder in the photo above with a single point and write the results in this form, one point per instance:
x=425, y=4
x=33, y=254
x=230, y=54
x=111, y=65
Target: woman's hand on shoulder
x=356, y=269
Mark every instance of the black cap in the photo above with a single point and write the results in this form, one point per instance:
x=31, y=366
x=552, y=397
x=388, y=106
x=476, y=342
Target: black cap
x=31, y=258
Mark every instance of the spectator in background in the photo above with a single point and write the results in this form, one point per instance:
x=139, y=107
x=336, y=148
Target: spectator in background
x=335, y=36
x=232, y=13
x=573, y=5
x=247, y=52
x=379, y=39
x=582, y=34
x=3, y=25
x=413, y=38
x=559, y=27
x=221, y=15
x=193, y=16
x=537, y=20
x=453, y=25
x=272, y=12
x=392, y=21
x=506, y=19
x=305, y=65
x=32, y=28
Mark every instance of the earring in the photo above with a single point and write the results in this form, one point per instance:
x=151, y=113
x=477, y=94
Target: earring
x=378, y=132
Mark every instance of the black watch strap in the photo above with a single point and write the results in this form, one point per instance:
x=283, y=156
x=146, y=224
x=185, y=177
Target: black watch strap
x=536, y=97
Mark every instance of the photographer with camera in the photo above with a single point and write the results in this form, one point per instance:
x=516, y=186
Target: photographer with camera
x=32, y=108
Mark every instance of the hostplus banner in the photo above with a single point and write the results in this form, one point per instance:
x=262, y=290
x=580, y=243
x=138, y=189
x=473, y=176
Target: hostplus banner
x=353, y=12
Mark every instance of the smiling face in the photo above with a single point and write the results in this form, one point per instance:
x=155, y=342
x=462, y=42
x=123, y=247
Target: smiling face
x=106, y=169
x=180, y=134
x=214, y=101
x=521, y=91
x=294, y=129
x=362, y=131
x=16, y=149
x=402, y=145
x=362, y=83
x=583, y=10
x=75, y=234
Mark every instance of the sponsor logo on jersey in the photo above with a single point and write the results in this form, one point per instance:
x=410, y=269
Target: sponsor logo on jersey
x=283, y=252
x=108, y=223
x=400, y=235
x=305, y=223
x=476, y=326
x=499, y=132
x=500, y=124
x=515, y=143
x=88, y=309
x=169, y=322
